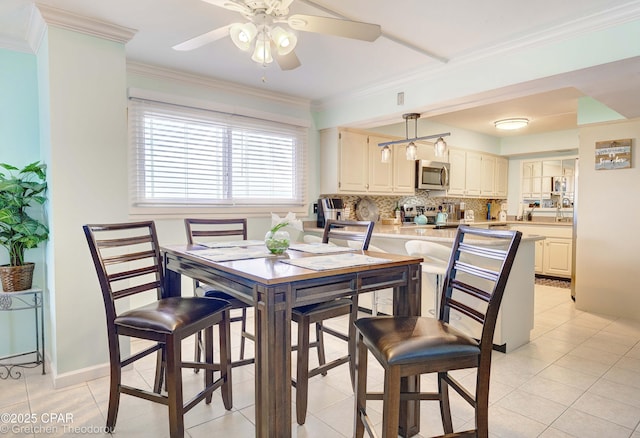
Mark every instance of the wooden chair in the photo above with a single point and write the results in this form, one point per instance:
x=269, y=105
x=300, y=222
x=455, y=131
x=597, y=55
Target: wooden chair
x=318, y=313
x=476, y=277
x=127, y=260
x=201, y=230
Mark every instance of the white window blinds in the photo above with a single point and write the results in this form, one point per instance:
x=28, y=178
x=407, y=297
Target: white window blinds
x=186, y=156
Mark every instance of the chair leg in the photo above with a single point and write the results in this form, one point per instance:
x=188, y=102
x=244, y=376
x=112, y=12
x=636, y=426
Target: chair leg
x=445, y=408
x=360, y=389
x=243, y=330
x=352, y=342
x=174, y=388
x=391, y=403
x=482, y=404
x=208, y=358
x=225, y=359
x=160, y=369
x=320, y=342
x=197, y=350
x=302, y=370
x=114, y=386
x=374, y=303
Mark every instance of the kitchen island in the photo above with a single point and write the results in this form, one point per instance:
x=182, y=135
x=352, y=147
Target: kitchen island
x=515, y=320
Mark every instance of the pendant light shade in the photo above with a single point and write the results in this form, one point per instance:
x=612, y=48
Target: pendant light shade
x=440, y=147
x=412, y=151
x=262, y=52
x=386, y=154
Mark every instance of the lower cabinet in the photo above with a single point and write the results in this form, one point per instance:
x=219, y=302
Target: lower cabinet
x=553, y=255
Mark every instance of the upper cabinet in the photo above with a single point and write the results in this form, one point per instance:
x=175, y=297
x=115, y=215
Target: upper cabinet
x=549, y=183
x=475, y=174
x=350, y=163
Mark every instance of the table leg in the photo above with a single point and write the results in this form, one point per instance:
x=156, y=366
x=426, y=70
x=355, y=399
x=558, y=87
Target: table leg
x=273, y=361
x=172, y=281
x=406, y=302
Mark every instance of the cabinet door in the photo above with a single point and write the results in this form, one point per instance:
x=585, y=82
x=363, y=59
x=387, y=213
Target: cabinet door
x=502, y=177
x=557, y=256
x=473, y=174
x=539, y=257
x=380, y=174
x=457, y=172
x=488, y=174
x=404, y=172
x=354, y=162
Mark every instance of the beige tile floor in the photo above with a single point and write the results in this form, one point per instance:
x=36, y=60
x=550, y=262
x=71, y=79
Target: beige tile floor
x=578, y=377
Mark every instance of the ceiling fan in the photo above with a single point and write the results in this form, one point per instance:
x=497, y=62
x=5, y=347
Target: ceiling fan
x=268, y=30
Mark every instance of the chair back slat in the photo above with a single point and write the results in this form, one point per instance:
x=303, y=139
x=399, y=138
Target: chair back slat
x=127, y=259
x=135, y=290
x=214, y=228
x=487, y=274
x=466, y=310
x=359, y=231
x=476, y=278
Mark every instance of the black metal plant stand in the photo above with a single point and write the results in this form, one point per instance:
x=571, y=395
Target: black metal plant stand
x=16, y=301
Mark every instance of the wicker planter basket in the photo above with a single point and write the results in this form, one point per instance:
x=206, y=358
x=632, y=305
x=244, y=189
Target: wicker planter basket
x=16, y=278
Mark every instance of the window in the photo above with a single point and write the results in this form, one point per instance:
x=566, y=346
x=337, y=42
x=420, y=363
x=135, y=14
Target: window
x=191, y=157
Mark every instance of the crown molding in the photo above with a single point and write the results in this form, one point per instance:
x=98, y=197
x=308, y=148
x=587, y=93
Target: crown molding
x=598, y=21
x=154, y=71
x=87, y=25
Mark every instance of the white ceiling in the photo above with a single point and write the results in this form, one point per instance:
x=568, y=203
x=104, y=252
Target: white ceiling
x=333, y=66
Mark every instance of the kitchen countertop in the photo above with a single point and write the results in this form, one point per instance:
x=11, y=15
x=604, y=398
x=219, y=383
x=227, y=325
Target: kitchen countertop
x=426, y=232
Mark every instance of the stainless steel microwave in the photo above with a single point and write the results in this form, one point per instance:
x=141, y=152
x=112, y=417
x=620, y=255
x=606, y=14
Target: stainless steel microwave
x=432, y=175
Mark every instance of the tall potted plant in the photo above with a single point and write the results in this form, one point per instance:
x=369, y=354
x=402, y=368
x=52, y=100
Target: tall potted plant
x=20, y=189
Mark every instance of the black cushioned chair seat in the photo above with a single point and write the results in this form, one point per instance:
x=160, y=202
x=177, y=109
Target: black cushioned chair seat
x=235, y=303
x=407, y=340
x=169, y=314
x=322, y=307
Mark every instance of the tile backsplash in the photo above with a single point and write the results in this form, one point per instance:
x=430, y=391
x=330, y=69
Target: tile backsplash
x=387, y=204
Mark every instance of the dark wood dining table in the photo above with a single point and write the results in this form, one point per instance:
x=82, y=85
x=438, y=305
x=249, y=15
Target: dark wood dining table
x=274, y=287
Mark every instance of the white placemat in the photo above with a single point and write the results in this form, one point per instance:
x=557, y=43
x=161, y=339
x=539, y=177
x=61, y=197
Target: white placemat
x=319, y=248
x=335, y=261
x=233, y=253
x=231, y=243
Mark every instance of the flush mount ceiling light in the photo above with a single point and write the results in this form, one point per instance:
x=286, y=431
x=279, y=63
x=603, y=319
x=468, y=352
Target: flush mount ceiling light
x=511, y=124
x=440, y=146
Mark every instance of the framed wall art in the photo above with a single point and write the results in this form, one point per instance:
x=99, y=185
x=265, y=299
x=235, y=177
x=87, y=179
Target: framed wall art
x=613, y=154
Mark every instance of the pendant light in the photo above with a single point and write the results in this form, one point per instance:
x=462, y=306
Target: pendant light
x=411, y=153
x=386, y=154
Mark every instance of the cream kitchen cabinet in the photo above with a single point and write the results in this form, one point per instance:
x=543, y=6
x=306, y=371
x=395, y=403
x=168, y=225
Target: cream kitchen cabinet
x=553, y=256
x=350, y=163
x=474, y=174
x=501, y=177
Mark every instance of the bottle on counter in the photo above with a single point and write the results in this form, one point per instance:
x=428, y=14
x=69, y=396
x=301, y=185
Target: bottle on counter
x=397, y=212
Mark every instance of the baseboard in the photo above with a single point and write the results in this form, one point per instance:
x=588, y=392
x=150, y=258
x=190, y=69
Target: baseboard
x=77, y=376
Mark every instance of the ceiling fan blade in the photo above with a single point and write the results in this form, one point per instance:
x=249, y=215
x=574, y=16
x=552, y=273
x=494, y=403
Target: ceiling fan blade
x=288, y=62
x=232, y=5
x=334, y=26
x=203, y=39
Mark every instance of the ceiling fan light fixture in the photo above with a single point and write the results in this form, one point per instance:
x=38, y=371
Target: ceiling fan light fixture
x=262, y=52
x=284, y=40
x=511, y=124
x=242, y=35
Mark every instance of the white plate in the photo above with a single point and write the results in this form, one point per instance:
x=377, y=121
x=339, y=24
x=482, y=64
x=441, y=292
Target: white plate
x=367, y=210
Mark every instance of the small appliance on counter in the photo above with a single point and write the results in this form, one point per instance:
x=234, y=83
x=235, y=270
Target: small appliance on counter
x=502, y=215
x=329, y=208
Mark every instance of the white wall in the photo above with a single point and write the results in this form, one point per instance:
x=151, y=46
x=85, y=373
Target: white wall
x=83, y=112
x=608, y=242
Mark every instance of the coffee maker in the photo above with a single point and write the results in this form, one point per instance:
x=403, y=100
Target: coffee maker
x=329, y=208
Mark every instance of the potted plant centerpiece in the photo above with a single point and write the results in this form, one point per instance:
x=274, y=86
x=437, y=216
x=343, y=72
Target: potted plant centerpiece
x=20, y=189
